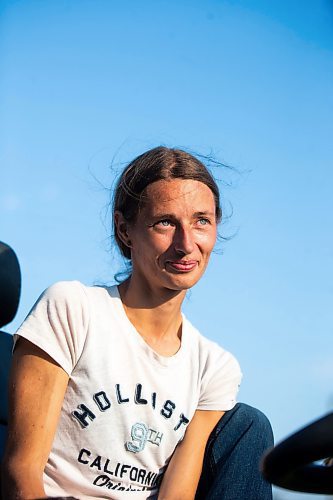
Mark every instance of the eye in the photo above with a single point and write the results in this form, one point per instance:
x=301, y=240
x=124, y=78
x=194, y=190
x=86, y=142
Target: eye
x=163, y=223
x=203, y=221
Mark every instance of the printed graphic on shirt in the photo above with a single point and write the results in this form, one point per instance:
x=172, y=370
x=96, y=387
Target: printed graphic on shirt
x=118, y=476
x=84, y=414
x=111, y=473
x=140, y=434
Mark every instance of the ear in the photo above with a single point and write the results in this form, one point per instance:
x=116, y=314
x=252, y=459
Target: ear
x=122, y=227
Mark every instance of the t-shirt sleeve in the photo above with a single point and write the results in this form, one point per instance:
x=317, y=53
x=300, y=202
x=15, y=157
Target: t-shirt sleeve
x=220, y=380
x=58, y=323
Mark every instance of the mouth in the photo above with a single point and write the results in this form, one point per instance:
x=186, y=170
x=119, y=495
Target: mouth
x=182, y=266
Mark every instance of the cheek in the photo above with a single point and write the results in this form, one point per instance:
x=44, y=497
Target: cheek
x=160, y=242
x=149, y=245
x=207, y=241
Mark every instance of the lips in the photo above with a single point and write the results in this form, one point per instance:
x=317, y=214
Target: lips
x=183, y=266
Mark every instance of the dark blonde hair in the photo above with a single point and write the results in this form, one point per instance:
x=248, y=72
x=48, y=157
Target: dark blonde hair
x=160, y=163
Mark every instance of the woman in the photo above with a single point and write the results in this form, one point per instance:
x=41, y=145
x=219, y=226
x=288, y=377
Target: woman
x=114, y=394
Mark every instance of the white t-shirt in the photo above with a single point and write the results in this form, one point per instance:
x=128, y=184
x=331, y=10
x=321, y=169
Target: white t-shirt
x=126, y=407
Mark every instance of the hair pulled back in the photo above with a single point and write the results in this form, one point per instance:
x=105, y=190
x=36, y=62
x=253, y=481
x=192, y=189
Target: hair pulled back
x=160, y=163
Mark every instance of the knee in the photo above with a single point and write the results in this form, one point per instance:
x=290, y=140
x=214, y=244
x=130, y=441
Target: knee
x=247, y=420
x=243, y=431
x=256, y=422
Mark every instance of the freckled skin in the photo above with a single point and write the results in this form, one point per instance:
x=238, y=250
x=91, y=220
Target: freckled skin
x=173, y=235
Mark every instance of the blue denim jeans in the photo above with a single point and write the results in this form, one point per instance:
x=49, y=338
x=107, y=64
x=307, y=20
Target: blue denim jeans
x=232, y=458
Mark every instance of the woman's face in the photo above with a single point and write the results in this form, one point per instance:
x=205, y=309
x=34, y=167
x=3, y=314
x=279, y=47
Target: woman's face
x=173, y=235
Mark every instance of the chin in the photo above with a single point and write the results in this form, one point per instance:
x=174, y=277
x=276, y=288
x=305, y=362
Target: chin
x=183, y=283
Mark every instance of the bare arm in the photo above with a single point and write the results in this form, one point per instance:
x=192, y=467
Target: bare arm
x=182, y=476
x=36, y=391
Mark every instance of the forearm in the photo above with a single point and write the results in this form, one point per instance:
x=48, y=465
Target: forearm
x=179, y=495
x=182, y=475
x=180, y=482
x=21, y=483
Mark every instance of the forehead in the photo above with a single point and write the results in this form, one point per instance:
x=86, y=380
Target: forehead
x=178, y=194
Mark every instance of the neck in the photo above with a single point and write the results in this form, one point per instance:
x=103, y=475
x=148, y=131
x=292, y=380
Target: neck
x=156, y=314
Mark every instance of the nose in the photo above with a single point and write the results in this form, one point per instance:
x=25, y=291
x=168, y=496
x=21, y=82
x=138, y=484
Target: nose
x=183, y=241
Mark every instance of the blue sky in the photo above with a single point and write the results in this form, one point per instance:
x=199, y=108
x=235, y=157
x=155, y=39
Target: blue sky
x=87, y=85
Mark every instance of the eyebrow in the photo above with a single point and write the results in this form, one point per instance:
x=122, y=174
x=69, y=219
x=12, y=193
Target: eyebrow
x=206, y=212
x=164, y=215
